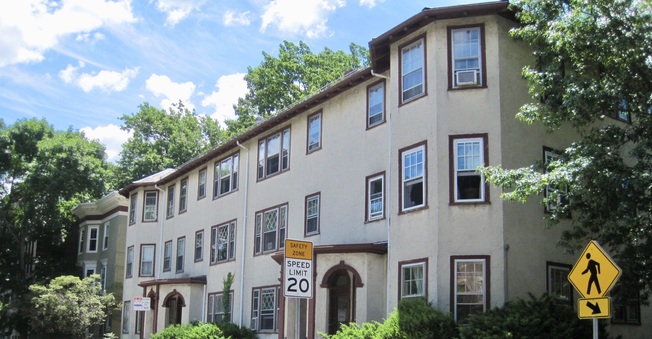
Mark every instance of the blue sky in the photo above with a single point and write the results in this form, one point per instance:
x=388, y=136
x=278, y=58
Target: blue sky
x=85, y=63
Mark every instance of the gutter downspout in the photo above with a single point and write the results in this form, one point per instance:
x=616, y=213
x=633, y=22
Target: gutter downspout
x=157, y=273
x=244, y=233
x=388, y=185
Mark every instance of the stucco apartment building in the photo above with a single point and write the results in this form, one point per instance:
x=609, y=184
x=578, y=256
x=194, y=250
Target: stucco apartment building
x=101, y=247
x=378, y=172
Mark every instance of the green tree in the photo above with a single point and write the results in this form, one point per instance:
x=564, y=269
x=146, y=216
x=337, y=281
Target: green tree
x=163, y=139
x=593, y=68
x=226, y=296
x=297, y=72
x=44, y=174
x=68, y=305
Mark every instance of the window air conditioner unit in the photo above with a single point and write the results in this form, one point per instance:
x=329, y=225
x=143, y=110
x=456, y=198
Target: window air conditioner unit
x=466, y=78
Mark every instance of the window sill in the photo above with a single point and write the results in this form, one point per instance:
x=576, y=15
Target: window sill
x=416, y=209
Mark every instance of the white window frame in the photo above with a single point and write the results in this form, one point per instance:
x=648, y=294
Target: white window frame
x=133, y=206
x=105, y=239
x=413, y=172
x=202, y=179
x=458, y=46
x=375, y=201
x=223, y=241
x=150, y=248
x=180, y=262
x=313, y=142
x=170, y=201
x=167, y=256
x=150, y=206
x=279, y=231
x=376, y=104
x=557, y=283
x=183, y=196
x=283, y=154
x=313, y=213
x=199, y=246
x=129, y=265
x=93, y=241
x=478, y=284
x=257, y=311
x=90, y=268
x=226, y=176
x=413, y=62
x=103, y=270
x=126, y=315
x=418, y=283
x=461, y=169
x=82, y=236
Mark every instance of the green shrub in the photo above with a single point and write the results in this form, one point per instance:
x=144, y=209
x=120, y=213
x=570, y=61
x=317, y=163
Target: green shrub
x=231, y=330
x=195, y=330
x=544, y=317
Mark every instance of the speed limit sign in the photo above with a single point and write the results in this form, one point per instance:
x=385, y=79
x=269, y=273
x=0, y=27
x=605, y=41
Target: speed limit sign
x=298, y=269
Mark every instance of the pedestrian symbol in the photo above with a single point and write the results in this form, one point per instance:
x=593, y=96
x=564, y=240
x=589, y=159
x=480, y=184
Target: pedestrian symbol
x=594, y=273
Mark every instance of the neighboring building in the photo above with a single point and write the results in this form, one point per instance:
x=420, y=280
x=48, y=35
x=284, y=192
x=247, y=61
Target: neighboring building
x=378, y=171
x=101, y=248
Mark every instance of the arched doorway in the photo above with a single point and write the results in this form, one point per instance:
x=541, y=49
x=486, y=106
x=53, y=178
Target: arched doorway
x=174, y=303
x=340, y=300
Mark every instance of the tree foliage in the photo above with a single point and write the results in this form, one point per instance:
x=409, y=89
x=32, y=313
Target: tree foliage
x=44, y=174
x=297, y=72
x=164, y=139
x=593, y=69
x=68, y=305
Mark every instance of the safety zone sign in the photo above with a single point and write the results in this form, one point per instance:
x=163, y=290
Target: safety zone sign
x=298, y=277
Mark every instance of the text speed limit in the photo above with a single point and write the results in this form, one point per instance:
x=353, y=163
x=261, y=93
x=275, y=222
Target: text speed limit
x=298, y=278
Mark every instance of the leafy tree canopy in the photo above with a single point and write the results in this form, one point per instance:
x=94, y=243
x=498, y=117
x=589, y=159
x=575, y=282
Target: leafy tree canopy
x=45, y=173
x=593, y=70
x=297, y=72
x=69, y=305
x=164, y=139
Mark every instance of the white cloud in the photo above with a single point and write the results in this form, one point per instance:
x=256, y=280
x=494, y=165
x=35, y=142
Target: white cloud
x=371, y=3
x=88, y=37
x=107, y=81
x=306, y=17
x=229, y=89
x=28, y=28
x=172, y=92
x=111, y=136
x=177, y=10
x=232, y=18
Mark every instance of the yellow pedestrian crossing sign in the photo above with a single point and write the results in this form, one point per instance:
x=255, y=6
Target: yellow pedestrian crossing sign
x=594, y=273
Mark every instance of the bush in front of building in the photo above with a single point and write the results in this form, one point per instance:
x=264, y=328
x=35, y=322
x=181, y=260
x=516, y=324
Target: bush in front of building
x=196, y=330
x=544, y=317
x=414, y=318
x=231, y=330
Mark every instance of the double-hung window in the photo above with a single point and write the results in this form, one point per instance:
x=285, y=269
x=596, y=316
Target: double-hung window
x=413, y=70
x=147, y=260
x=274, y=154
x=467, y=62
x=170, y=205
x=82, y=234
x=130, y=262
x=271, y=226
x=93, y=234
x=264, y=309
x=151, y=202
x=470, y=281
x=376, y=104
x=557, y=283
x=226, y=176
x=199, y=245
x=181, y=251
x=216, y=310
x=223, y=242
x=312, y=214
x=626, y=304
x=375, y=197
x=167, y=256
x=133, y=204
x=413, y=177
x=183, y=196
x=126, y=314
x=467, y=154
x=201, y=184
x=105, y=240
x=413, y=278
x=314, y=132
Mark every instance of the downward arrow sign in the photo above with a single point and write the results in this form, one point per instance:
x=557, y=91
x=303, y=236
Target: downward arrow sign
x=595, y=308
